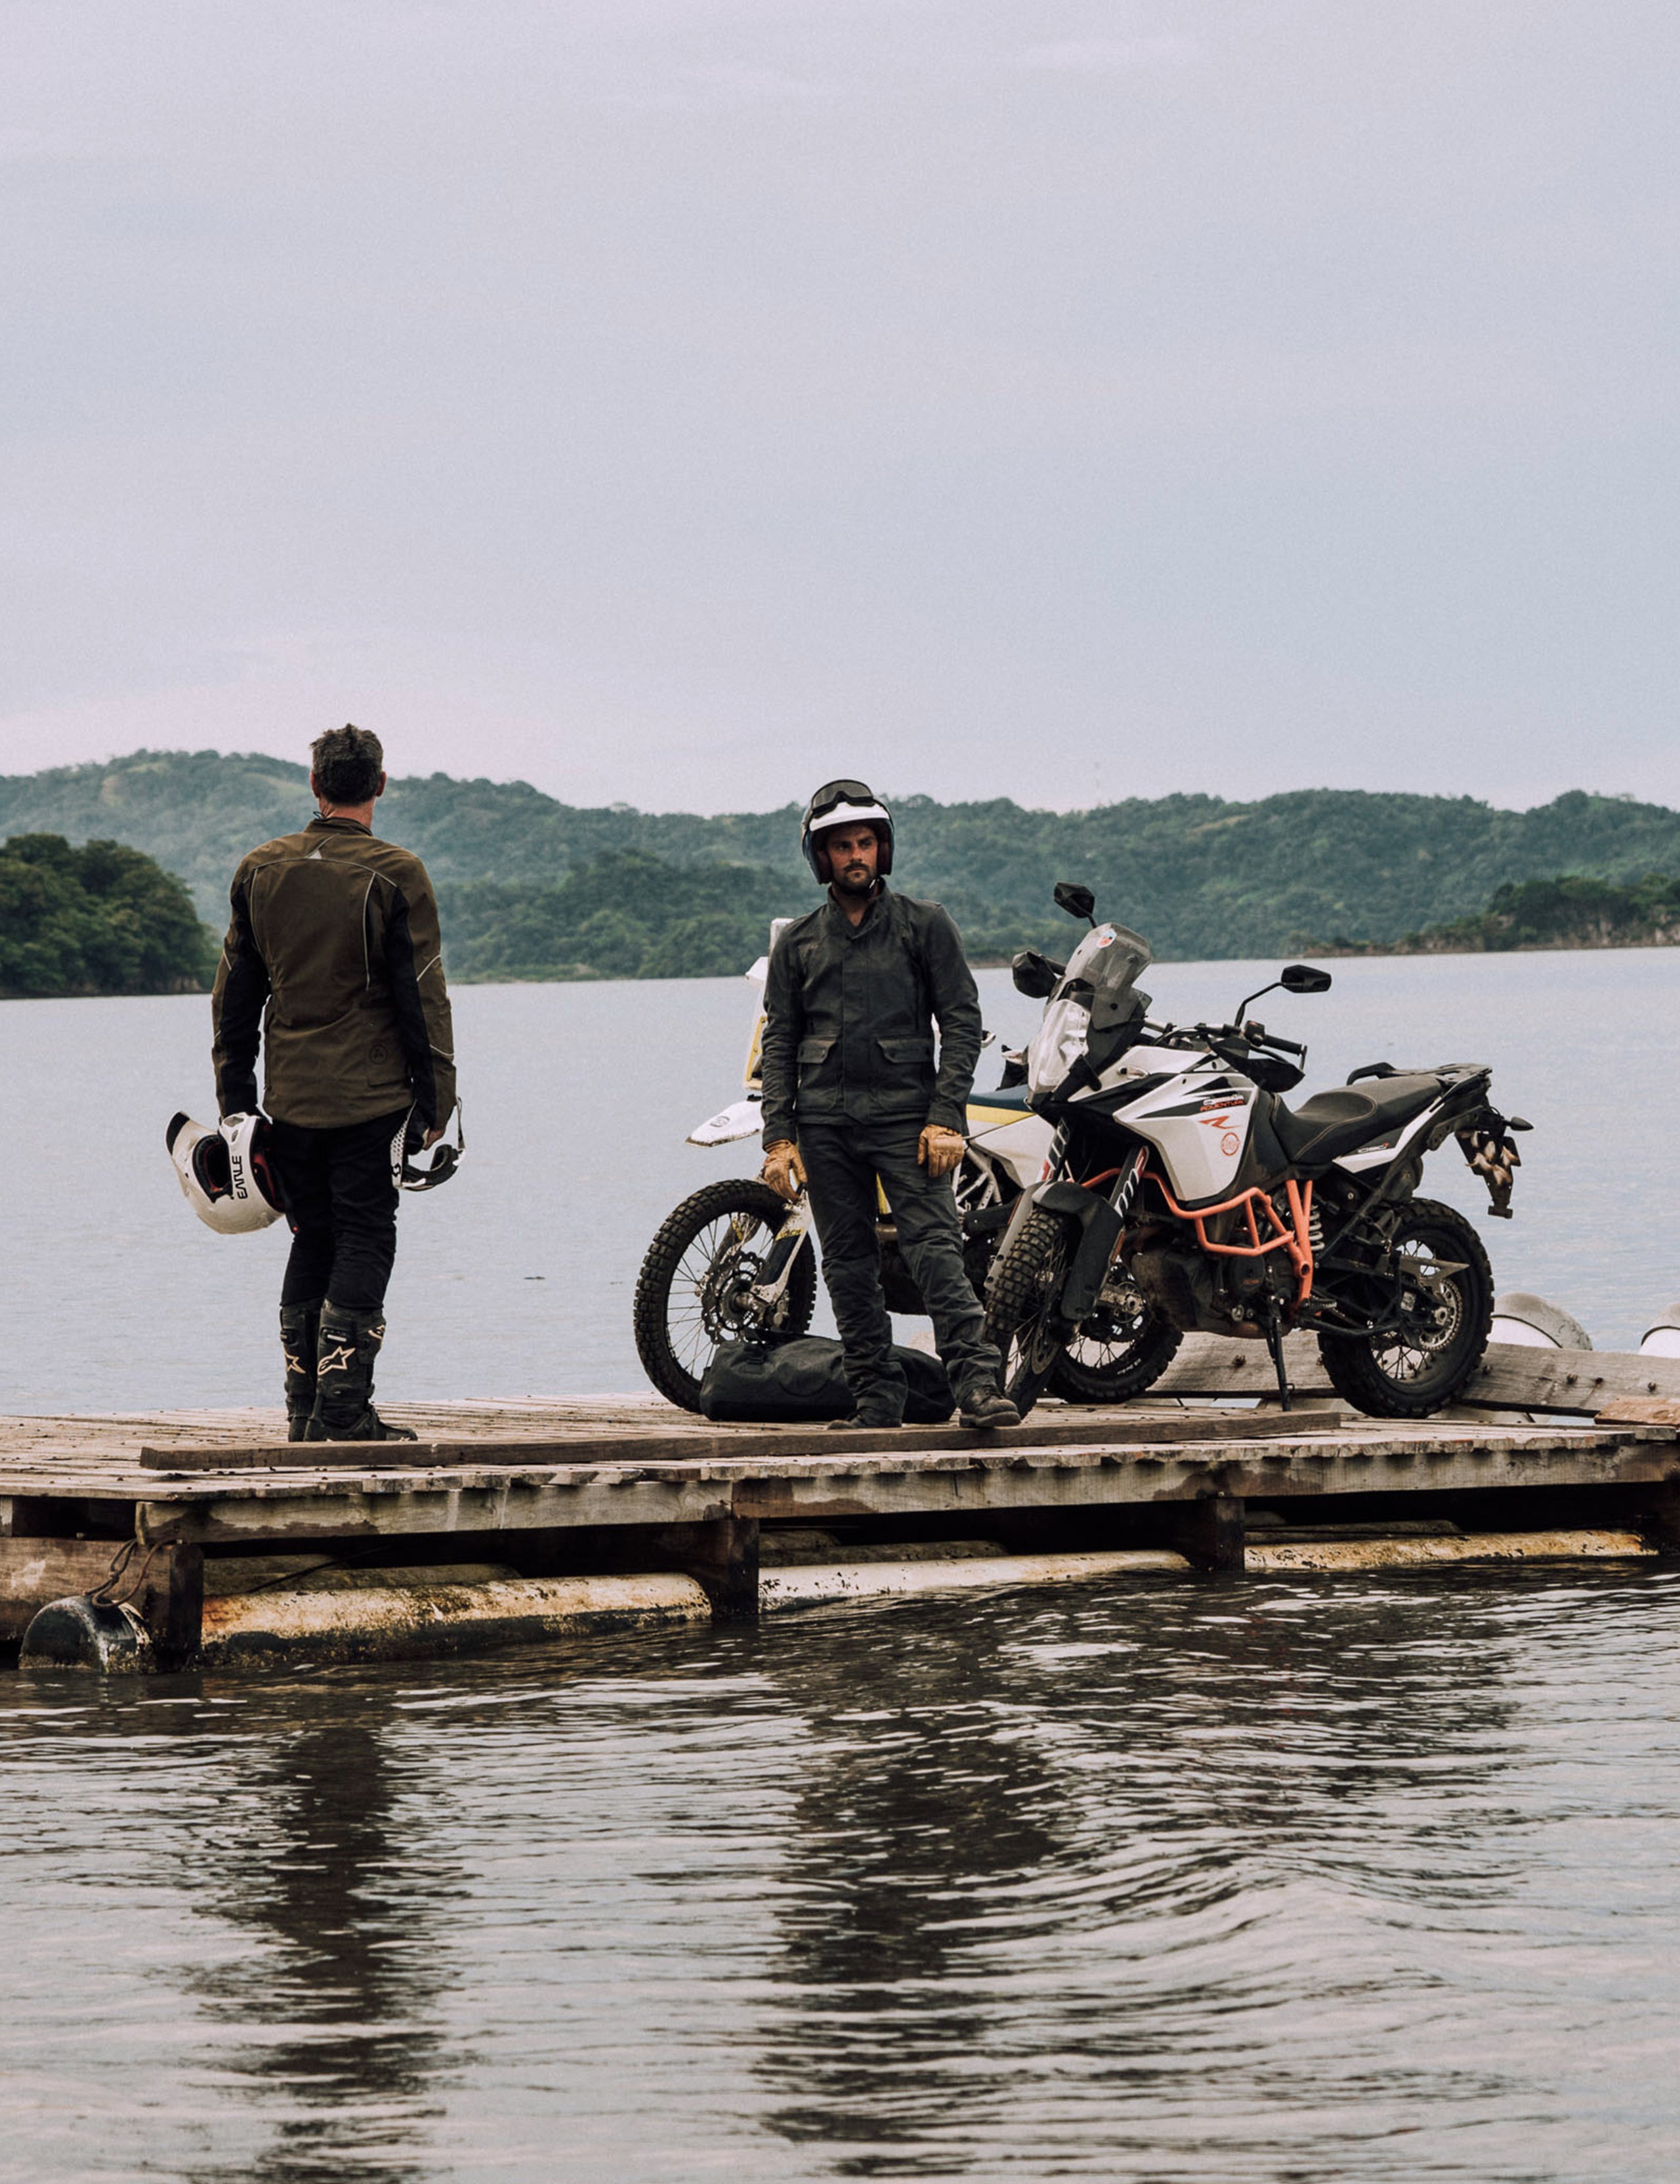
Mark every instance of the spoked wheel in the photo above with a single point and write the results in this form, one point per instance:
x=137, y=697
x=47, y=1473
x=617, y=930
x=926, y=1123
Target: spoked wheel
x=1447, y=1307
x=1121, y=1349
x=693, y=1292
x=1022, y=1318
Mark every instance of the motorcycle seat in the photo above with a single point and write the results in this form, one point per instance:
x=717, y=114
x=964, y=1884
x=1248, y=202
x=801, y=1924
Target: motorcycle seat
x=1323, y=1129
x=1009, y=1098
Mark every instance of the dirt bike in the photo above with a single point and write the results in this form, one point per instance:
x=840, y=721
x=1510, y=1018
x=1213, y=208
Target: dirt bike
x=734, y=1263
x=1176, y=1168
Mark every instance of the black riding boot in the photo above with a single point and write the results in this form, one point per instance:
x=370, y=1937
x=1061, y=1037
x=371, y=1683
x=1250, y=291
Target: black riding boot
x=344, y=1411
x=299, y=1330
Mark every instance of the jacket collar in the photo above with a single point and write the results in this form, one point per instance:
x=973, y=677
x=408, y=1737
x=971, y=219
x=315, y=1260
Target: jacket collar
x=868, y=918
x=338, y=823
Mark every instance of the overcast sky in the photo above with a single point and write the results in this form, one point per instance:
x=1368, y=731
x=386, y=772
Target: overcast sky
x=679, y=401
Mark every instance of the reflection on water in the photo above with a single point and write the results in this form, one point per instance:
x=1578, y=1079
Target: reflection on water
x=1298, y=1880
x=325, y=2014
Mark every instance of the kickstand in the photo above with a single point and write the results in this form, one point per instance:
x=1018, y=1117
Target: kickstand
x=1274, y=1343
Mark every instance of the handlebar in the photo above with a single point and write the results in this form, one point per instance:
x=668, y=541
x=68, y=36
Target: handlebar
x=1218, y=1037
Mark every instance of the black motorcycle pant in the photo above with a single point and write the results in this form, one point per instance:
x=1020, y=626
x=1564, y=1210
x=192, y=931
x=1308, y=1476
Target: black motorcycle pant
x=341, y=1205
x=842, y=1161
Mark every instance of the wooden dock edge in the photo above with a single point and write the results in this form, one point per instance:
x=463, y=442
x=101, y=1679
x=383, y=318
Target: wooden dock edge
x=276, y=1628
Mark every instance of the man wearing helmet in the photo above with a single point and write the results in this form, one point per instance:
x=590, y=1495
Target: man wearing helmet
x=851, y=1092
x=332, y=963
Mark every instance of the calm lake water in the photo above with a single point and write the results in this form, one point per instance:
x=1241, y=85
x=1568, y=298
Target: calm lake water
x=516, y=1279
x=1231, y=1882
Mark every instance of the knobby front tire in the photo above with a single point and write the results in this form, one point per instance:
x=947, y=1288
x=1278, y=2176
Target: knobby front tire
x=1022, y=1318
x=690, y=1295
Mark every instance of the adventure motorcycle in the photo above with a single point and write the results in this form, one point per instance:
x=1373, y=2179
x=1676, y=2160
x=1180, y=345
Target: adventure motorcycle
x=1178, y=1173
x=734, y=1263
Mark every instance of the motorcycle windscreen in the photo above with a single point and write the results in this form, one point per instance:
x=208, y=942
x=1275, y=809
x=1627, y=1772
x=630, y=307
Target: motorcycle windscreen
x=1058, y=1043
x=1099, y=991
x=1110, y=960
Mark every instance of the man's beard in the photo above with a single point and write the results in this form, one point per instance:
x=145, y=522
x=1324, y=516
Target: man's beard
x=855, y=880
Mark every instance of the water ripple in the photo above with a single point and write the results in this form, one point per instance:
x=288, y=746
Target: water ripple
x=1349, y=1879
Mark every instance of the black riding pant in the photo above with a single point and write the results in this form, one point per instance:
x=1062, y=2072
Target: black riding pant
x=341, y=1204
x=842, y=1161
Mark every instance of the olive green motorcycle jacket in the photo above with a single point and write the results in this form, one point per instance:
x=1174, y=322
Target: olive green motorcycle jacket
x=333, y=965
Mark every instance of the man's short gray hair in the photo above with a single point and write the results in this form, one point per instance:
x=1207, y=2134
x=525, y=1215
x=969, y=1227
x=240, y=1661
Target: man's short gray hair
x=346, y=764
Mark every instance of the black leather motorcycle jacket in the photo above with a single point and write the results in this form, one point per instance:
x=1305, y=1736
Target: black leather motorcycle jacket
x=849, y=1014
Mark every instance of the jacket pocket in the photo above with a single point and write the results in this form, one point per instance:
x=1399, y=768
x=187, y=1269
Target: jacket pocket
x=908, y=1053
x=812, y=1052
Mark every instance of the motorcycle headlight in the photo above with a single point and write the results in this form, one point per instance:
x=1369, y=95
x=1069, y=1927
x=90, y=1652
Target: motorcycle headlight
x=1057, y=1045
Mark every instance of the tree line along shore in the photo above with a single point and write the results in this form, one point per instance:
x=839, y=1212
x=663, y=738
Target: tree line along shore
x=114, y=878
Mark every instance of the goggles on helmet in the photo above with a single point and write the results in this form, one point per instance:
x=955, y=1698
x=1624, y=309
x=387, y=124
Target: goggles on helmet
x=833, y=795
x=839, y=804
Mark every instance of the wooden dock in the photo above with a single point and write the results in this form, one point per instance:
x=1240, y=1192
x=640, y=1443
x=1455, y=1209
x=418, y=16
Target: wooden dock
x=208, y=1507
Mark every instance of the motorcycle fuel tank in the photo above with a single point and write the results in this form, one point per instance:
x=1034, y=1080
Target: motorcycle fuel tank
x=1200, y=1132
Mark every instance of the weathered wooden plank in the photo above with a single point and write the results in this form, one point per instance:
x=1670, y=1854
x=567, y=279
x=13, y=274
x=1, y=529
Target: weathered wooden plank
x=1224, y=1365
x=274, y=1508
x=1119, y=1427
x=320, y=1513
x=1640, y=1411
x=1239, y=1473
x=33, y=1572
x=1514, y=1376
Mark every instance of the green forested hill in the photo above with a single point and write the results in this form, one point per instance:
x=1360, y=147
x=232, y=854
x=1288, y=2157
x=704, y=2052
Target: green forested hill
x=523, y=875
x=1569, y=912
x=100, y=919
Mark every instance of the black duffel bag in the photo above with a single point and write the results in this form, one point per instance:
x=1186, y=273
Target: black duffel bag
x=799, y=1383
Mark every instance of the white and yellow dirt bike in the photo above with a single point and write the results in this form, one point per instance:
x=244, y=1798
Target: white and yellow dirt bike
x=736, y=1263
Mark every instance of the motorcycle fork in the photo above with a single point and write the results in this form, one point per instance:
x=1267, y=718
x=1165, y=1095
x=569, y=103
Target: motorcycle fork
x=767, y=1291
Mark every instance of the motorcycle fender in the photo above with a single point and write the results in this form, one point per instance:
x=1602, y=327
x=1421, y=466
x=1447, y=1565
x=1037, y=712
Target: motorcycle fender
x=1100, y=1229
x=743, y=1119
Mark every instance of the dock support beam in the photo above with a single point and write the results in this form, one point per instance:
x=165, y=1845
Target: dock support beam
x=723, y=1555
x=171, y=1603
x=1210, y=1532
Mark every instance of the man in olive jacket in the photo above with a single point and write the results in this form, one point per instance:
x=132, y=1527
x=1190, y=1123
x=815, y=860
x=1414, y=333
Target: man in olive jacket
x=852, y=1091
x=332, y=964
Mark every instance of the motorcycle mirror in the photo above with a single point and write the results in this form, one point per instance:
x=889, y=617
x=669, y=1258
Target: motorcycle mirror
x=1303, y=978
x=1076, y=900
x=1034, y=975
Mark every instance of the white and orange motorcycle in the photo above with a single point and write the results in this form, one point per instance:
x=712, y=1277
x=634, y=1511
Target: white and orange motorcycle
x=1176, y=1174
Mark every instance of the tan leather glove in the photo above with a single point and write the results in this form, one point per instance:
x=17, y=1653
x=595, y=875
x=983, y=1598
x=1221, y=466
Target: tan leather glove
x=783, y=1170
x=940, y=1150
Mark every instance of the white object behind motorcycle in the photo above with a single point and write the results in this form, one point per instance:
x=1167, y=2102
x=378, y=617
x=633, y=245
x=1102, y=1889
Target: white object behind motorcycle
x=1532, y=1324
x=224, y=1173
x=1663, y=1340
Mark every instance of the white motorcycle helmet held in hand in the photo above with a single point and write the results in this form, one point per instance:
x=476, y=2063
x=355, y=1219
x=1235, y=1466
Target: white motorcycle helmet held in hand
x=227, y=1175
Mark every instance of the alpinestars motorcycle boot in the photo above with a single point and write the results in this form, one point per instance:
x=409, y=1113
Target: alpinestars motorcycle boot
x=299, y=1334
x=348, y=1344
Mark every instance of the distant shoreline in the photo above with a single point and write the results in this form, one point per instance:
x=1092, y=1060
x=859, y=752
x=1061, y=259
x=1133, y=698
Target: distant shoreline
x=1564, y=944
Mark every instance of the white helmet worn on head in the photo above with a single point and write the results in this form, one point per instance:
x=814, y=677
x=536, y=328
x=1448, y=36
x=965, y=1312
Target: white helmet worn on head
x=842, y=804
x=227, y=1175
